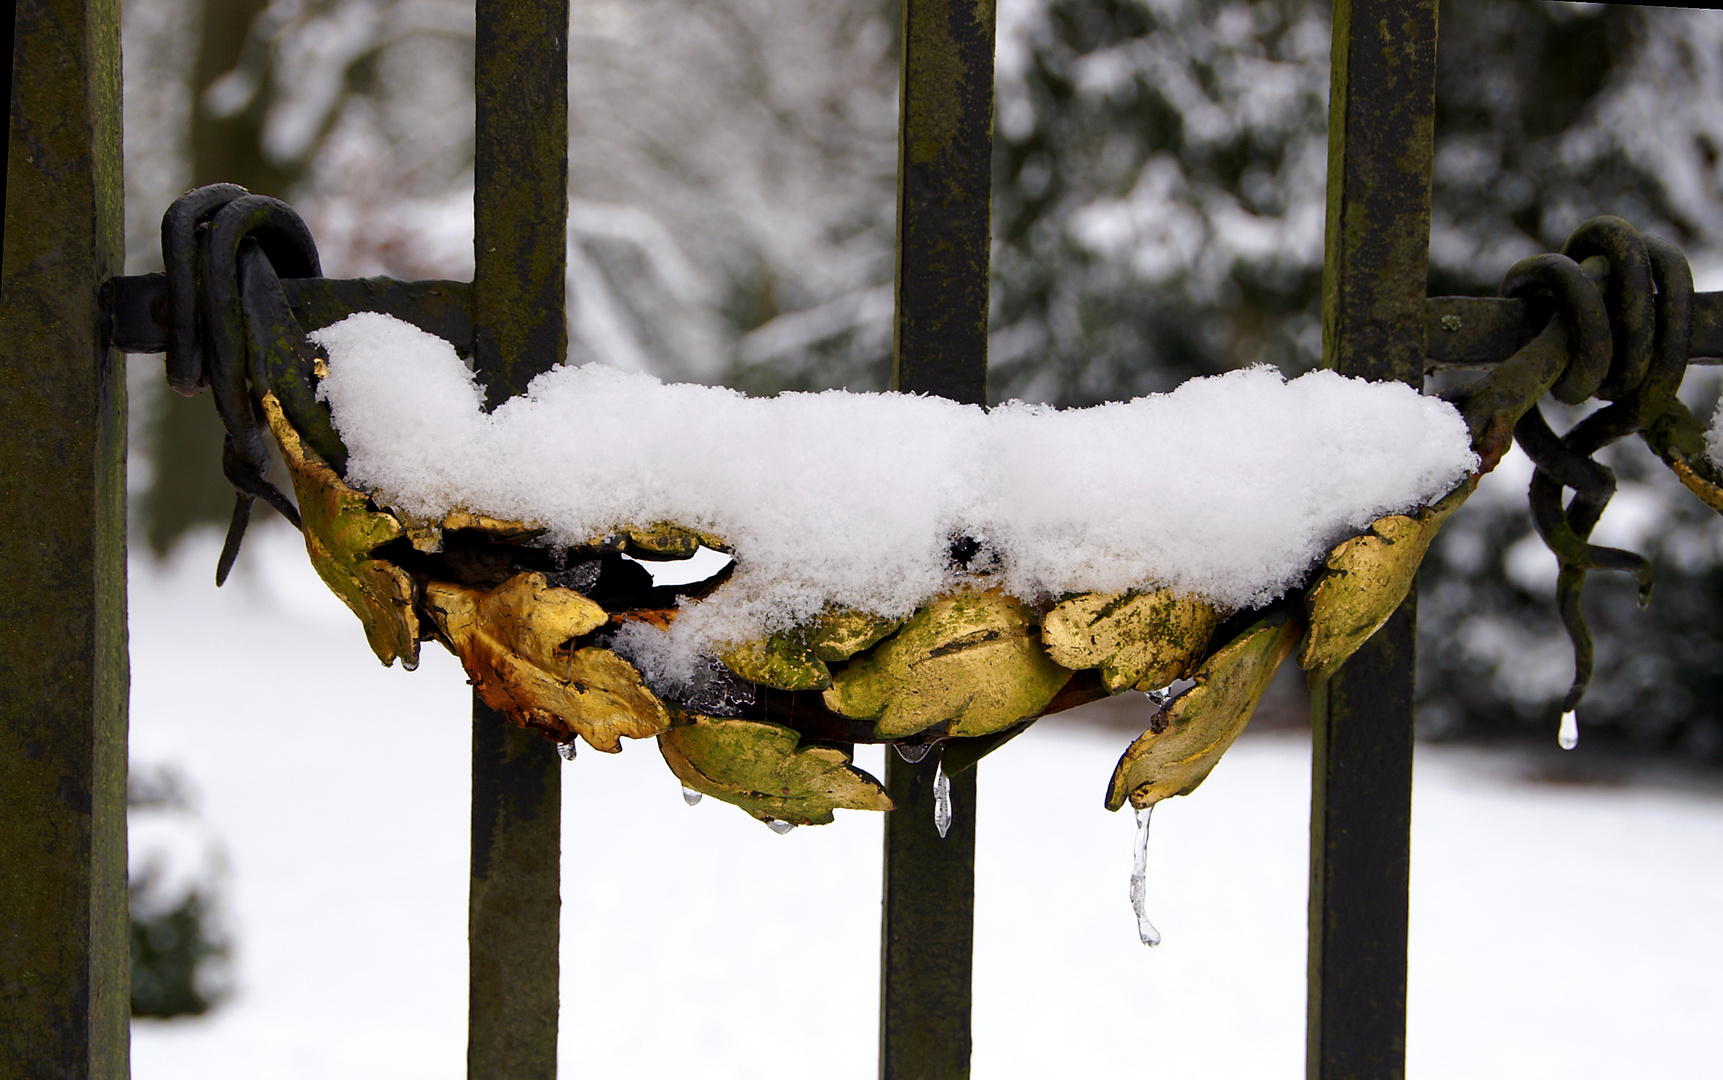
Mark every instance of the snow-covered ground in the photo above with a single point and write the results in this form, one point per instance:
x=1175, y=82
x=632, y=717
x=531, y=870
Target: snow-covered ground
x=1557, y=930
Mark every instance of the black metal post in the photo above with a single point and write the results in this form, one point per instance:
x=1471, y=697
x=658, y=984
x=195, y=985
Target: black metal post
x=65, y=984
x=944, y=199
x=520, y=214
x=1380, y=146
x=927, y=938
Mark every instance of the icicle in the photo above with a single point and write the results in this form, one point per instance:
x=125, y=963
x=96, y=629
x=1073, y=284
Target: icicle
x=690, y=796
x=912, y=754
x=565, y=750
x=1568, y=736
x=941, y=800
x=1139, y=883
x=779, y=827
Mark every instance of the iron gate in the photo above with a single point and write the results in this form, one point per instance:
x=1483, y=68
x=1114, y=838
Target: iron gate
x=63, y=942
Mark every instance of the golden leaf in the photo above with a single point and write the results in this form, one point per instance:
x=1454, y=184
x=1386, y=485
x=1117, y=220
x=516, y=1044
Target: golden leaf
x=501, y=528
x=426, y=534
x=841, y=632
x=760, y=768
x=519, y=645
x=1188, y=737
x=1145, y=640
x=668, y=538
x=783, y=661
x=1365, y=579
x=342, y=528
x=795, y=659
x=972, y=661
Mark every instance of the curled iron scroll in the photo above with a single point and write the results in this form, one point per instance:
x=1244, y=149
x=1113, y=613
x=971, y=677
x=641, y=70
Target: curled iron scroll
x=1620, y=314
x=224, y=251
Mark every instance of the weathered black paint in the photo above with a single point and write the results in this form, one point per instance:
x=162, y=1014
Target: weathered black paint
x=944, y=184
x=1474, y=331
x=514, y=908
x=520, y=215
x=1360, y=859
x=65, y=987
x=137, y=307
x=520, y=200
x=1469, y=332
x=443, y=308
x=1380, y=147
x=945, y=143
x=1460, y=331
x=927, y=935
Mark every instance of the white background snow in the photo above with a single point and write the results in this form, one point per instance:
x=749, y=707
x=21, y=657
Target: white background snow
x=1557, y=930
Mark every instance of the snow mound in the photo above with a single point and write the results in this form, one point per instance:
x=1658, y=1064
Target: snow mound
x=1230, y=487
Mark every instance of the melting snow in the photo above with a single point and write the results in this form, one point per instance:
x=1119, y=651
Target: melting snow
x=1230, y=487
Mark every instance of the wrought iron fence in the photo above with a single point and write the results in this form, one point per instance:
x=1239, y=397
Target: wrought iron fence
x=67, y=311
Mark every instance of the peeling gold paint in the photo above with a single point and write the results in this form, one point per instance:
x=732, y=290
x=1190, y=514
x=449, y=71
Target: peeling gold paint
x=840, y=633
x=341, y=529
x=762, y=769
x=971, y=661
x=669, y=538
x=1364, y=579
x=783, y=661
x=1189, y=736
x=520, y=646
x=1710, y=494
x=1144, y=640
x=796, y=659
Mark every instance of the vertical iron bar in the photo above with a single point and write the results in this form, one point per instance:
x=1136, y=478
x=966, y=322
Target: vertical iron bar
x=1380, y=135
x=520, y=198
x=520, y=215
x=927, y=938
x=65, y=982
x=944, y=198
x=945, y=151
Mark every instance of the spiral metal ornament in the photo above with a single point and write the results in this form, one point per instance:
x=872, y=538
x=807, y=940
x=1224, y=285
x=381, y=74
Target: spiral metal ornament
x=1623, y=304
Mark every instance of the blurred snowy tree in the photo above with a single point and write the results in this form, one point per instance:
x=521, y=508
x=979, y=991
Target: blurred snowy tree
x=1159, y=194
x=1161, y=170
x=1492, y=657
x=1549, y=114
x=361, y=111
x=179, y=944
x=1159, y=204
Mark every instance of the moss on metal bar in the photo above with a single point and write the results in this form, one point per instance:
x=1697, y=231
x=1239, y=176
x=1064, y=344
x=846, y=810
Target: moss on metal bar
x=520, y=199
x=945, y=162
x=520, y=252
x=1377, y=245
x=939, y=346
x=64, y=975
